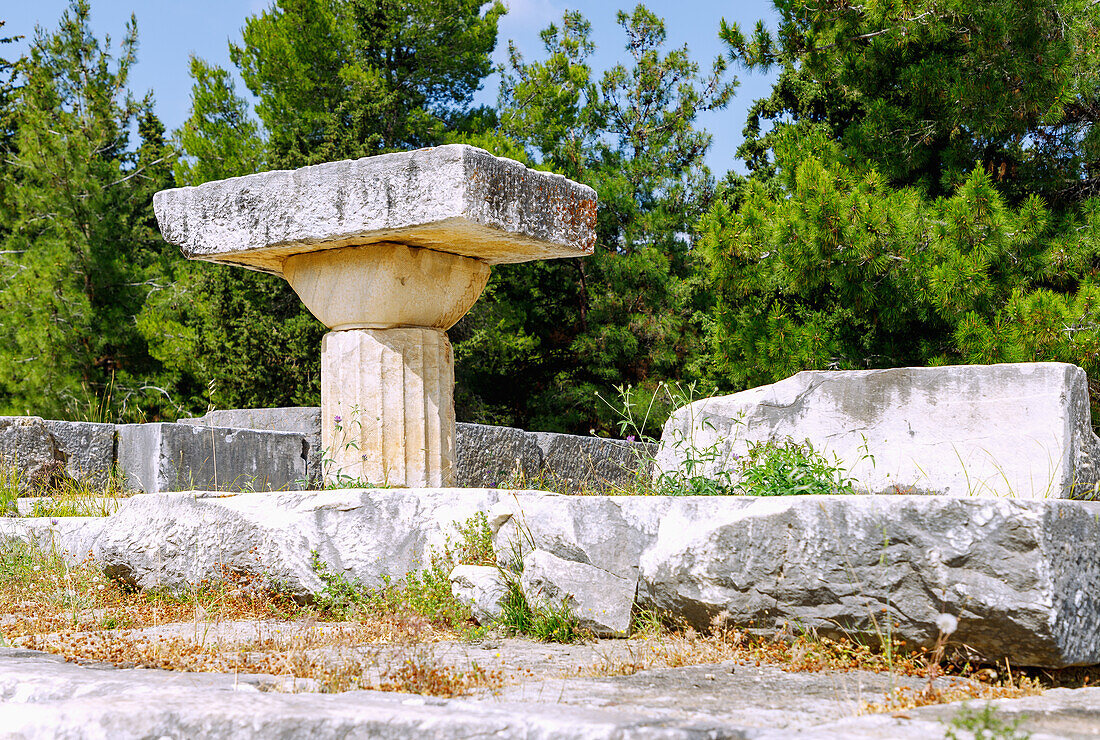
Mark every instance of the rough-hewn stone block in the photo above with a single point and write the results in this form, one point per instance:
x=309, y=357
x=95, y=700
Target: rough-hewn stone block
x=89, y=449
x=576, y=463
x=1022, y=576
x=1020, y=430
x=488, y=456
x=26, y=444
x=179, y=457
x=480, y=587
x=601, y=601
x=456, y=199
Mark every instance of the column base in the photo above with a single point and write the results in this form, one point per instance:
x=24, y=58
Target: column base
x=387, y=407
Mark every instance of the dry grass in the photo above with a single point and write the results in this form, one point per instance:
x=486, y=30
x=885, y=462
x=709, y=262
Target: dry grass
x=77, y=612
x=812, y=653
x=57, y=493
x=321, y=661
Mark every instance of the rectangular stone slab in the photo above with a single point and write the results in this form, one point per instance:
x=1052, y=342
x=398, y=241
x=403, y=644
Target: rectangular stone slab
x=453, y=198
x=1020, y=430
x=178, y=457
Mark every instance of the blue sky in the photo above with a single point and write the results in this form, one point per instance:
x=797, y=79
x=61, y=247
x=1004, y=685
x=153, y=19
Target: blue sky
x=171, y=30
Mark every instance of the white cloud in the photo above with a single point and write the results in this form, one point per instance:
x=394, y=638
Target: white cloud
x=529, y=15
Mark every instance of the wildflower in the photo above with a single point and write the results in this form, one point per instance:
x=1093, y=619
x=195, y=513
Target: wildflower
x=337, y=419
x=630, y=438
x=947, y=623
x=53, y=522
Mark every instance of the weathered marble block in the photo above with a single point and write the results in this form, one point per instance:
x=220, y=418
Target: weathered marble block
x=1017, y=430
x=1022, y=576
x=178, y=457
x=454, y=199
x=89, y=449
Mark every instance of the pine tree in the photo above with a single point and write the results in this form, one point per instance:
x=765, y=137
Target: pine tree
x=83, y=252
x=625, y=315
x=925, y=88
x=334, y=79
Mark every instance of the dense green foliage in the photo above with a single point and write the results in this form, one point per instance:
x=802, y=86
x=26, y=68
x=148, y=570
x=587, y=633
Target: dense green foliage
x=923, y=89
x=922, y=186
x=81, y=251
x=923, y=195
x=627, y=314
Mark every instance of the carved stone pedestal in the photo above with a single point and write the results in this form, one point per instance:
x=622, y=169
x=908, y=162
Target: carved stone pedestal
x=388, y=252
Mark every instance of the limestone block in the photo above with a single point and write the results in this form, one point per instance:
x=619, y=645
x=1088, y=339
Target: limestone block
x=1020, y=430
x=1021, y=575
x=304, y=420
x=26, y=444
x=487, y=456
x=608, y=532
x=180, y=457
x=71, y=537
x=172, y=539
x=600, y=600
x=578, y=463
x=456, y=199
x=387, y=408
x=89, y=449
x=480, y=587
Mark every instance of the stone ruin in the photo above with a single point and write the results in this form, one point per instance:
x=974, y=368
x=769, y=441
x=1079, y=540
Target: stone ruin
x=970, y=472
x=388, y=252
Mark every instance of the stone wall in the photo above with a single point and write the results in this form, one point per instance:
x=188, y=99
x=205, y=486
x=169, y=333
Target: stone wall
x=280, y=449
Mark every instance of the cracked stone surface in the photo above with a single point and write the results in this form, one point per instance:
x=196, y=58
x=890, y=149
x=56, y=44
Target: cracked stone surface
x=42, y=696
x=456, y=199
x=1017, y=430
x=1022, y=576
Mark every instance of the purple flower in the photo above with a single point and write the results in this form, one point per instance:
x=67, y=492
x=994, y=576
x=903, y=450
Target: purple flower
x=630, y=438
x=337, y=419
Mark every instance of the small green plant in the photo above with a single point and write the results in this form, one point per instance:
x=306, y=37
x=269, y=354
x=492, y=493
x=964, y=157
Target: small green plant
x=696, y=474
x=475, y=545
x=789, y=468
x=341, y=597
x=546, y=622
x=983, y=724
x=426, y=592
x=56, y=494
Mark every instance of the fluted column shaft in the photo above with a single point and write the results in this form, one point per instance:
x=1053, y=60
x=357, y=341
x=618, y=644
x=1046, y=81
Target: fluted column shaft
x=387, y=406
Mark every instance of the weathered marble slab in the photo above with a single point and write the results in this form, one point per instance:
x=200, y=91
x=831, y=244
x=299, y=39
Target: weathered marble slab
x=1018, y=430
x=454, y=198
x=44, y=697
x=179, y=457
x=1022, y=576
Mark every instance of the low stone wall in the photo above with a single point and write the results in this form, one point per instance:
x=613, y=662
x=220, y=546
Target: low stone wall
x=486, y=456
x=280, y=449
x=1021, y=576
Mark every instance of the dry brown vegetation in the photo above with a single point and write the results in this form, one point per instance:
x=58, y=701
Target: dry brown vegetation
x=233, y=624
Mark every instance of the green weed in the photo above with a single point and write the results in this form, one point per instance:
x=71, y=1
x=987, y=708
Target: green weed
x=983, y=724
x=58, y=494
x=789, y=468
x=426, y=592
x=545, y=622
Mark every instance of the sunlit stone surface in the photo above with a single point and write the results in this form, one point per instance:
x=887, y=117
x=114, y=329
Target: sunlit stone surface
x=388, y=252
